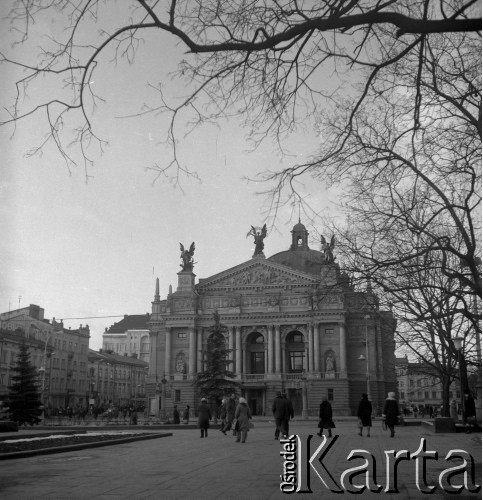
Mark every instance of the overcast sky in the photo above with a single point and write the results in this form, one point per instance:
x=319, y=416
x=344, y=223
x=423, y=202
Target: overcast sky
x=94, y=249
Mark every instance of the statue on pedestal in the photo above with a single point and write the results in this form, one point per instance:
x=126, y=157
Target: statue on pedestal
x=328, y=249
x=187, y=257
x=258, y=235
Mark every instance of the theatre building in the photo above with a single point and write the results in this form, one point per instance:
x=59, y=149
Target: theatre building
x=295, y=324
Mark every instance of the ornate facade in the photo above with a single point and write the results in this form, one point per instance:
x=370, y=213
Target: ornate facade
x=294, y=324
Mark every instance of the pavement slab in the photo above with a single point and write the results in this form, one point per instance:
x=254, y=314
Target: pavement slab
x=183, y=466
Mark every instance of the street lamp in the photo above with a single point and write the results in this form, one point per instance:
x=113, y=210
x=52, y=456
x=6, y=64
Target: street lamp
x=366, y=358
x=458, y=344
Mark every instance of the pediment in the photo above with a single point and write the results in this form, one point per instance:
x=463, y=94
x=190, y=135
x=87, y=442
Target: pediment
x=256, y=273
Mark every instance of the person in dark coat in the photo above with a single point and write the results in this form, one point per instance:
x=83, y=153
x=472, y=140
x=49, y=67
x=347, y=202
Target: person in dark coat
x=175, y=415
x=325, y=417
x=289, y=413
x=390, y=413
x=204, y=417
x=279, y=410
x=186, y=414
x=364, y=412
x=230, y=414
x=470, y=412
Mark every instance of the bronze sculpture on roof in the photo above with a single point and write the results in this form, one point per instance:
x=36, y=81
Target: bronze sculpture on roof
x=258, y=235
x=328, y=249
x=187, y=257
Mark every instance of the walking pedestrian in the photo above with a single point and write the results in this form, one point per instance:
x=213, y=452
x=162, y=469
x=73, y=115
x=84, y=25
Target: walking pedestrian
x=289, y=413
x=243, y=416
x=325, y=417
x=390, y=413
x=223, y=416
x=453, y=410
x=364, y=413
x=470, y=412
x=279, y=410
x=175, y=415
x=204, y=417
x=186, y=414
x=230, y=414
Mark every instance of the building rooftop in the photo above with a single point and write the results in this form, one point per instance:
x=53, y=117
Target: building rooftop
x=130, y=322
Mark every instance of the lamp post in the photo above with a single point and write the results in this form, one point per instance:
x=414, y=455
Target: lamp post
x=366, y=358
x=458, y=344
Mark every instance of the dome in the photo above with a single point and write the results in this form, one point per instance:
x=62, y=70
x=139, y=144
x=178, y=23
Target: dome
x=307, y=261
x=299, y=227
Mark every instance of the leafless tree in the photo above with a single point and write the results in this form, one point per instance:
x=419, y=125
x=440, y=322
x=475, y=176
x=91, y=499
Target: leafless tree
x=262, y=61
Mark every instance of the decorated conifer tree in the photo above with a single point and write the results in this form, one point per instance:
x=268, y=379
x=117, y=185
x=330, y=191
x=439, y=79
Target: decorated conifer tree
x=216, y=379
x=25, y=400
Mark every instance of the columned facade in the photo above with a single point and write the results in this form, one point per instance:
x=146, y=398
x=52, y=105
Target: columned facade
x=294, y=324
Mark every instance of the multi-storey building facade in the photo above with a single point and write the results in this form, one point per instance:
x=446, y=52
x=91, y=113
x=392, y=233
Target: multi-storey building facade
x=60, y=354
x=116, y=380
x=129, y=336
x=418, y=387
x=295, y=324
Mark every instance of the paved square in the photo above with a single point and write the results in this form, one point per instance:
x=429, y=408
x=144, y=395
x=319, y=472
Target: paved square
x=186, y=467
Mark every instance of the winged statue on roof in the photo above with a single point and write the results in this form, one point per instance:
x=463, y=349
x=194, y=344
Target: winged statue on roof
x=187, y=257
x=328, y=249
x=259, y=234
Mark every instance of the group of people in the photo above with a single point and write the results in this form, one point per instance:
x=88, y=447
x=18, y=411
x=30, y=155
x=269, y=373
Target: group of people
x=234, y=416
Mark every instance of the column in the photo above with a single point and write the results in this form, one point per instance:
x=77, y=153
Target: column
x=316, y=348
x=270, y=349
x=199, y=345
x=278, y=359
x=238, y=350
x=231, y=341
x=343, y=351
x=167, y=352
x=192, y=351
x=153, y=354
x=311, y=348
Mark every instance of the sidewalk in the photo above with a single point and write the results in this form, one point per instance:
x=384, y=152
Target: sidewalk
x=186, y=467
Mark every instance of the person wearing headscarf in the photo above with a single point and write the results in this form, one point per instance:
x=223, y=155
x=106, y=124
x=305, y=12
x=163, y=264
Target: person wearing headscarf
x=364, y=413
x=243, y=416
x=204, y=417
x=325, y=417
x=390, y=412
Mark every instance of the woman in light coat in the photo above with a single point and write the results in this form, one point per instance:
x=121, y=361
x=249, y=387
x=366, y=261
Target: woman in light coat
x=243, y=416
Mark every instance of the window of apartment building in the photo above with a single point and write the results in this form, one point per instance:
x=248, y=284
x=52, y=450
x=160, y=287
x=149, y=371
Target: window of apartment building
x=411, y=383
x=182, y=335
x=91, y=372
x=426, y=394
x=418, y=382
x=329, y=331
x=62, y=363
x=401, y=394
x=330, y=394
x=64, y=344
x=177, y=395
x=145, y=344
x=70, y=345
x=434, y=394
